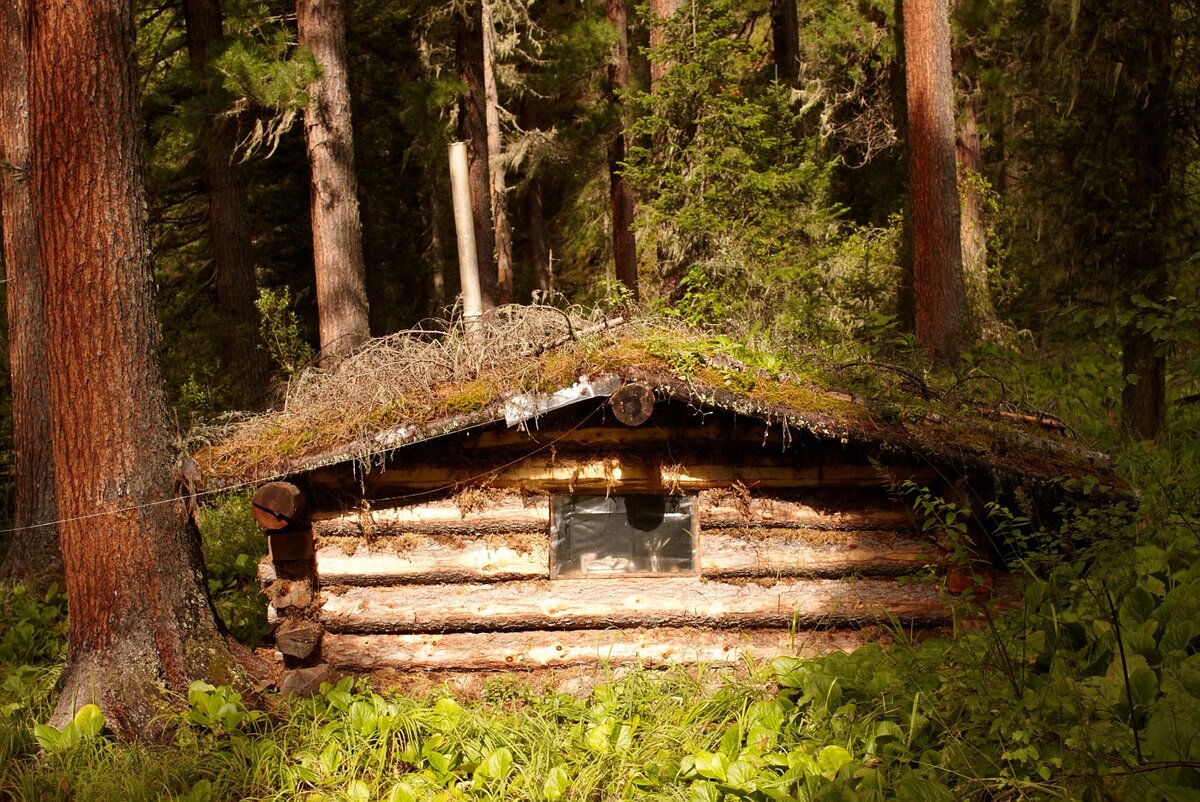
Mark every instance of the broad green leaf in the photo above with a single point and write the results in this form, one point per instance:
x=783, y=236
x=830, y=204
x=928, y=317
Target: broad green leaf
x=711, y=765
x=731, y=741
x=89, y=720
x=741, y=775
x=496, y=765
x=48, y=737
x=449, y=708
x=558, y=782
x=358, y=791
x=200, y=792
x=401, y=792
x=1143, y=686
x=831, y=759
x=439, y=762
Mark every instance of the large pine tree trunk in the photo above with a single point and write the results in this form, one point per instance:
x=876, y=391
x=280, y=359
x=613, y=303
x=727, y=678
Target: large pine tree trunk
x=140, y=617
x=33, y=558
x=497, y=179
x=942, y=317
x=337, y=230
x=621, y=196
x=233, y=259
x=472, y=121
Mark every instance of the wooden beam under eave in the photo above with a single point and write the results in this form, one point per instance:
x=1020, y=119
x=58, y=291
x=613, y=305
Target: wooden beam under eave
x=621, y=474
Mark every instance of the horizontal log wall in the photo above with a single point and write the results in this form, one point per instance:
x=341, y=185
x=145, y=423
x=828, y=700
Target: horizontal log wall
x=505, y=538
x=494, y=651
x=463, y=582
x=632, y=602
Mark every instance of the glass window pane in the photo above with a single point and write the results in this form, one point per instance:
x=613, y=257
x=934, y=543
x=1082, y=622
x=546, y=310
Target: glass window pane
x=619, y=535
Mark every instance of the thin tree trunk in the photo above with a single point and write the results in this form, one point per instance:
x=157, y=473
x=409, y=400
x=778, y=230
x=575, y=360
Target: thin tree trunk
x=942, y=317
x=436, y=253
x=621, y=196
x=973, y=228
x=233, y=258
x=785, y=38
x=537, y=255
x=497, y=180
x=337, y=229
x=140, y=617
x=33, y=557
x=473, y=129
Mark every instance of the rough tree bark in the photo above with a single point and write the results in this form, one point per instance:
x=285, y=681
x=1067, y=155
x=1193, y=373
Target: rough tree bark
x=621, y=196
x=233, y=259
x=661, y=13
x=472, y=122
x=973, y=228
x=337, y=230
x=140, y=617
x=497, y=179
x=33, y=557
x=1150, y=69
x=785, y=40
x=942, y=318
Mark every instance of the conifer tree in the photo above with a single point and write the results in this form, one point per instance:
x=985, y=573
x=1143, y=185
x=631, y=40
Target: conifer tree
x=336, y=227
x=33, y=557
x=942, y=318
x=141, y=620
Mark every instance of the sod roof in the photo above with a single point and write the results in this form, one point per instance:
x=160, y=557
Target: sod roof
x=416, y=385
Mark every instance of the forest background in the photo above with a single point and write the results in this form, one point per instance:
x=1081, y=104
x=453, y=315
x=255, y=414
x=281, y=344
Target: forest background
x=753, y=158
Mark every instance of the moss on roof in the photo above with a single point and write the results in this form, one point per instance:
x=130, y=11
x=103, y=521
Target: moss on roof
x=412, y=386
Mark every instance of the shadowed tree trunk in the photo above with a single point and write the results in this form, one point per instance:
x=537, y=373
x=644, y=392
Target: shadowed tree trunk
x=621, y=196
x=942, y=318
x=973, y=228
x=472, y=122
x=497, y=180
x=785, y=40
x=33, y=557
x=233, y=260
x=1149, y=210
x=537, y=255
x=137, y=597
x=337, y=230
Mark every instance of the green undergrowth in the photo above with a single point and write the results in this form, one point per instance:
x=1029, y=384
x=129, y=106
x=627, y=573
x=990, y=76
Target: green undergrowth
x=233, y=546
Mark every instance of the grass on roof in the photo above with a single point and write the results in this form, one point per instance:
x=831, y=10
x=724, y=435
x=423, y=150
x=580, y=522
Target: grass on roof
x=418, y=377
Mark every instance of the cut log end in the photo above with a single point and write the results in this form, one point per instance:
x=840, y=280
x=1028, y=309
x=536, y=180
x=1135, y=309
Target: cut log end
x=278, y=505
x=633, y=404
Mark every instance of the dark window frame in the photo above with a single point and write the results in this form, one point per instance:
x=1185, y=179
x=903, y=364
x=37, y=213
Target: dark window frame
x=644, y=518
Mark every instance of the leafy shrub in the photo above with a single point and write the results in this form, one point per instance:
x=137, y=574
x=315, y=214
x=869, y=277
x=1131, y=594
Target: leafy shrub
x=233, y=546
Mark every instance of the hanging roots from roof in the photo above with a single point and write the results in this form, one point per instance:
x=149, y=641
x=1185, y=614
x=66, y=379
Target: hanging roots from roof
x=441, y=367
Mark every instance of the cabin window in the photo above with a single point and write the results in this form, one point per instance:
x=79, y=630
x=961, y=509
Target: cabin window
x=619, y=535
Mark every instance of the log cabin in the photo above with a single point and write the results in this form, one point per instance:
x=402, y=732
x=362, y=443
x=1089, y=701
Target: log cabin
x=633, y=507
